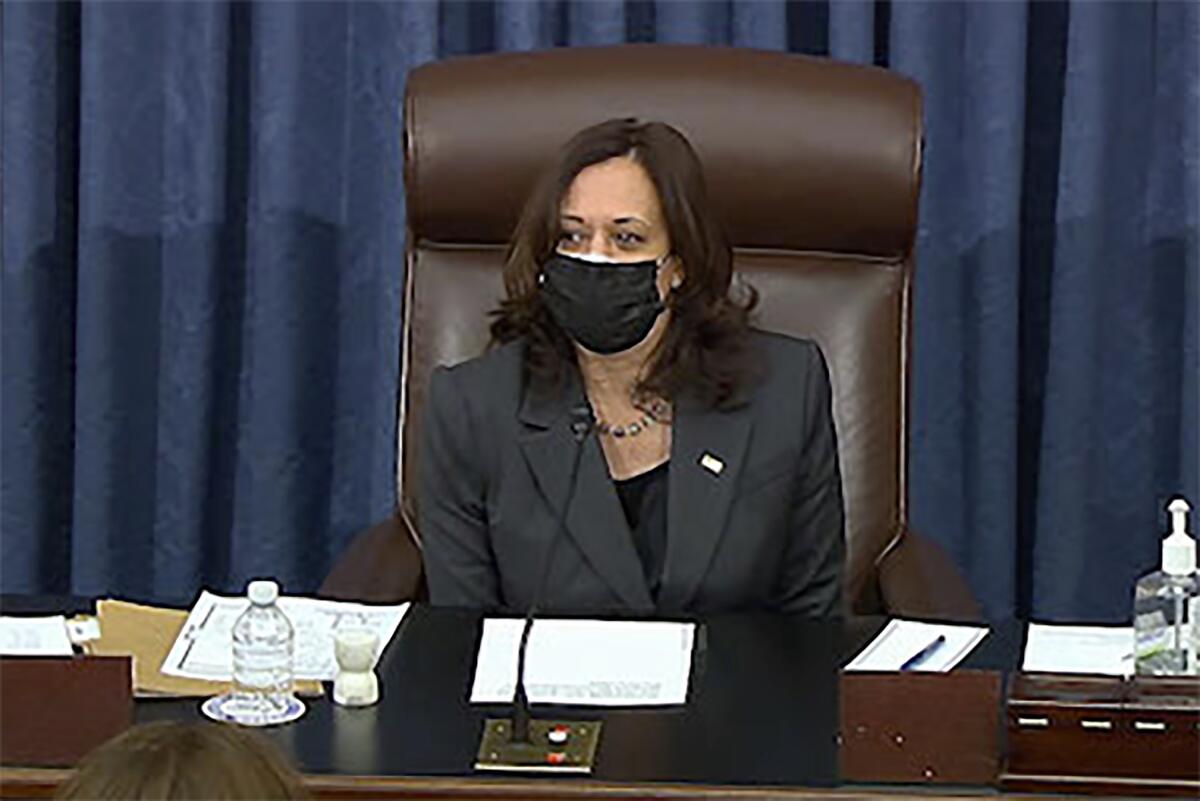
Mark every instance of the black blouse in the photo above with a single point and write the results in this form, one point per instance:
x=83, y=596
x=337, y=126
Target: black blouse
x=644, y=500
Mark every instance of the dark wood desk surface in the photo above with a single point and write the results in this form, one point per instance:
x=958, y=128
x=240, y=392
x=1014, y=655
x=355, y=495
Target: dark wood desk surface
x=41, y=782
x=763, y=709
x=761, y=721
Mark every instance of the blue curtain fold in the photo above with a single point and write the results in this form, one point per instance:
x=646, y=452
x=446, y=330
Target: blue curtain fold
x=202, y=261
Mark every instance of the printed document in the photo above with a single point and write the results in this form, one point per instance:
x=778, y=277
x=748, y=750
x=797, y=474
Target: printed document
x=586, y=662
x=34, y=636
x=1106, y=650
x=911, y=645
x=204, y=647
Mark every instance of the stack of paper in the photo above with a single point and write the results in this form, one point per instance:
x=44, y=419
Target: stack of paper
x=911, y=645
x=587, y=662
x=1106, y=650
x=146, y=633
x=34, y=636
x=202, y=649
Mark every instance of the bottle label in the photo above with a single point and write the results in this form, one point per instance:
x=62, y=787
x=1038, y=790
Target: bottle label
x=1193, y=646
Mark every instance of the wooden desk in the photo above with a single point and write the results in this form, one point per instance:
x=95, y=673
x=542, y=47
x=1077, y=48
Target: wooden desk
x=40, y=783
x=761, y=723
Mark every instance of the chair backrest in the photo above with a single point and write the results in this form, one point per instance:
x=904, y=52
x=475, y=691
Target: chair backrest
x=814, y=165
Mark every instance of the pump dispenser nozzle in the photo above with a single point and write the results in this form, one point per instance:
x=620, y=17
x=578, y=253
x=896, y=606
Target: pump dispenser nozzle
x=1179, y=549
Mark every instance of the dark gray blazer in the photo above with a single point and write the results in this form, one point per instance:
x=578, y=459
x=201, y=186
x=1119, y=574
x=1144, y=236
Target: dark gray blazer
x=765, y=532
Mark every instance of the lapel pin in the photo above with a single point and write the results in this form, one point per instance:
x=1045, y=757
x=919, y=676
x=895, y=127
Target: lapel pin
x=712, y=464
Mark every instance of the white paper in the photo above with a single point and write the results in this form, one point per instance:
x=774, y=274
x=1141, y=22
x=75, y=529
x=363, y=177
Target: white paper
x=83, y=630
x=901, y=640
x=204, y=647
x=1106, y=650
x=586, y=662
x=34, y=636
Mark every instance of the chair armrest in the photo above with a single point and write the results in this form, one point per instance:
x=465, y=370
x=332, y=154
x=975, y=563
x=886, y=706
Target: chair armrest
x=918, y=579
x=380, y=565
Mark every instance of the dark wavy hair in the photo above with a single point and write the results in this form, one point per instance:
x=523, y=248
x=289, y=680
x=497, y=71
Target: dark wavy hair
x=704, y=351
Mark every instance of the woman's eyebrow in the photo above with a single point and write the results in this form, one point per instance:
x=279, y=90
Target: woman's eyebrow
x=623, y=220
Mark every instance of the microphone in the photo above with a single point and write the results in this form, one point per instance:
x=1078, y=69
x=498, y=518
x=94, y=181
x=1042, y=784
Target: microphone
x=581, y=426
x=568, y=746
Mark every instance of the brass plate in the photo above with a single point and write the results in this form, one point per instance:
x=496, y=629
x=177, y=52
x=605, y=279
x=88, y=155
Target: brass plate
x=498, y=753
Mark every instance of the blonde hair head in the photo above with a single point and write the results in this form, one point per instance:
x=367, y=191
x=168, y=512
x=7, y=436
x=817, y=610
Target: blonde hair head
x=172, y=760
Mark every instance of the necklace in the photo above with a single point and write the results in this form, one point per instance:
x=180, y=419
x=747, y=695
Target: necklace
x=656, y=412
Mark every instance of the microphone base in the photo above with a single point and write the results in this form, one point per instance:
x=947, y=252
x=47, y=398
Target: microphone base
x=497, y=751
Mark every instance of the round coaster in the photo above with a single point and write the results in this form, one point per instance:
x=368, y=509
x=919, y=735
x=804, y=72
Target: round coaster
x=230, y=709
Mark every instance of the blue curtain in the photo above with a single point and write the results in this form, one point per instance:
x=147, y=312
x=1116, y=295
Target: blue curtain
x=202, y=236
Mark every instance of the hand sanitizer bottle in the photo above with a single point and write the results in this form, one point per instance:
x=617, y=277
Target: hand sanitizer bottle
x=1166, y=604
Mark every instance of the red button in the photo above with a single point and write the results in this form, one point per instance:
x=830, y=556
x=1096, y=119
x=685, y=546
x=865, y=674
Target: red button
x=556, y=757
x=558, y=735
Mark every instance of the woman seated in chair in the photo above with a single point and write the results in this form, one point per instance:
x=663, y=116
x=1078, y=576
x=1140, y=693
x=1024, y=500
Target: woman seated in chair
x=629, y=441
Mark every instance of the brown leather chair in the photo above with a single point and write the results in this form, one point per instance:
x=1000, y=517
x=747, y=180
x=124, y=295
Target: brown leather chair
x=815, y=166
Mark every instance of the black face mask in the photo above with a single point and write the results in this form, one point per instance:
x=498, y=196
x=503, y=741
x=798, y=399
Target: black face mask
x=605, y=307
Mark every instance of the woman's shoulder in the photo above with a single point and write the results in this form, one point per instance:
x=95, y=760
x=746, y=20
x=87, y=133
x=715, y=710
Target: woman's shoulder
x=791, y=367
x=785, y=355
x=495, y=364
x=483, y=383
x=784, y=344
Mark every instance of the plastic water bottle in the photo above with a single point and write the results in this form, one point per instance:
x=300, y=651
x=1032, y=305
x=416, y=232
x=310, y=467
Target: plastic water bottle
x=263, y=642
x=262, y=653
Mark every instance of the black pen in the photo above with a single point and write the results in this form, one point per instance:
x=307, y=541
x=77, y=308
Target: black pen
x=924, y=653
x=192, y=637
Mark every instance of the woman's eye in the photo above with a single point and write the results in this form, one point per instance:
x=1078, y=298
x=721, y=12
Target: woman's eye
x=569, y=237
x=626, y=238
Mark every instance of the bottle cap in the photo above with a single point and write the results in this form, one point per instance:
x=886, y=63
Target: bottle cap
x=1178, y=549
x=262, y=592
